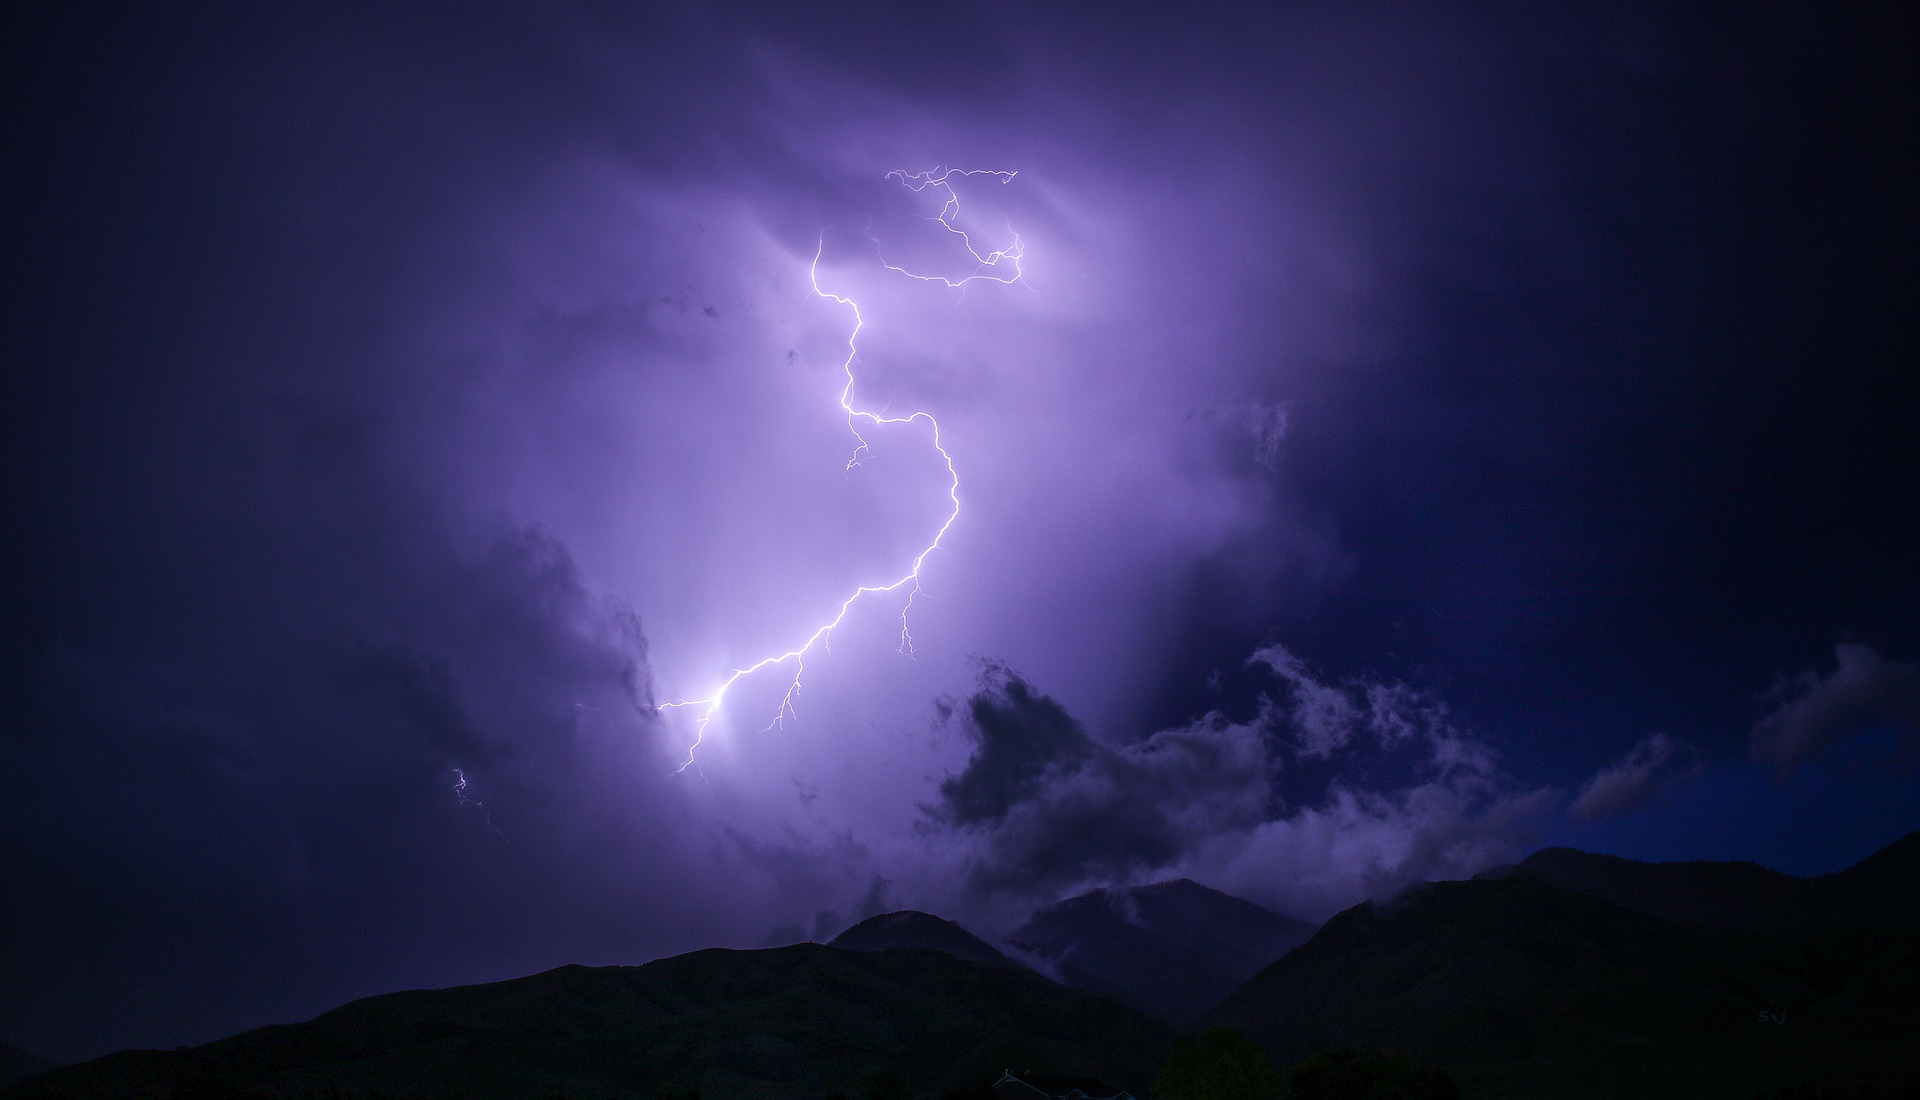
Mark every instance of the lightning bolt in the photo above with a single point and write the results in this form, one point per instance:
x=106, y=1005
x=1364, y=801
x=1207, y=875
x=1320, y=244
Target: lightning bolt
x=998, y=265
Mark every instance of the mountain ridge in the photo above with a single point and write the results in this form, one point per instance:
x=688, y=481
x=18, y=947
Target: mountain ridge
x=1882, y=890
x=1521, y=987
x=913, y=930
x=806, y=1020
x=1699, y=979
x=1170, y=949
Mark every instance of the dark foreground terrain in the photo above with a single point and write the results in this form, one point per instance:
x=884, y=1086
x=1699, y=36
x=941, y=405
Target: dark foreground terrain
x=1566, y=976
x=1584, y=976
x=18, y=1065
x=800, y=1021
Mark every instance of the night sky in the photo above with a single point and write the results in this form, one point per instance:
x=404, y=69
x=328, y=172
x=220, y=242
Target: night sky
x=1417, y=434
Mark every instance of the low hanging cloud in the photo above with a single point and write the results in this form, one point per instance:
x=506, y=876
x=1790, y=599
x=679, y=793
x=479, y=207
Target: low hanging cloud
x=1634, y=780
x=1334, y=792
x=1360, y=844
x=1809, y=714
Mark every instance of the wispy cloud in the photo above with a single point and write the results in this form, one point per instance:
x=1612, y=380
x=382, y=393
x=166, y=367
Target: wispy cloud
x=1809, y=713
x=1634, y=780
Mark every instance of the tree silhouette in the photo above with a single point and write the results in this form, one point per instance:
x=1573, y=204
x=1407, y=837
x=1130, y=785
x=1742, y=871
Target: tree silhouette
x=1368, y=1075
x=1221, y=1064
x=886, y=1084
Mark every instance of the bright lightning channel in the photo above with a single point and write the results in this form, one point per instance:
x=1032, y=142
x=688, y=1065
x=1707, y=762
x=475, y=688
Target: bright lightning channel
x=992, y=266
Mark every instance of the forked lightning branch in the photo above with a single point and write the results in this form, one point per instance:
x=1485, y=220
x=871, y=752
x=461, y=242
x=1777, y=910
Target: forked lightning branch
x=1000, y=266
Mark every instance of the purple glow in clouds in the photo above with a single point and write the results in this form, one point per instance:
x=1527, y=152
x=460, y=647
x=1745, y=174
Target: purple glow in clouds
x=987, y=267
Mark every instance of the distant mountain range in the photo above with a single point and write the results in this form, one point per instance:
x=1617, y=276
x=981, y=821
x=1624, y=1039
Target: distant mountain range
x=1171, y=950
x=1568, y=975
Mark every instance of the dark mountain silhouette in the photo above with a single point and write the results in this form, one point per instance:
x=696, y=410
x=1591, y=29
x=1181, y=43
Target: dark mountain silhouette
x=912, y=930
x=805, y=1020
x=1569, y=975
x=1519, y=987
x=18, y=1065
x=1882, y=891
x=1172, y=949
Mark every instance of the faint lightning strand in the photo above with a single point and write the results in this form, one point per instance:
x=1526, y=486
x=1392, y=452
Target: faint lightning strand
x=460, y=792
x=988, y=267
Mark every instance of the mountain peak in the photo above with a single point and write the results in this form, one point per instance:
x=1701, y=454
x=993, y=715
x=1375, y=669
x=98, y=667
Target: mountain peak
x=1186, y=888
x=1171, y=949
x=912, y=930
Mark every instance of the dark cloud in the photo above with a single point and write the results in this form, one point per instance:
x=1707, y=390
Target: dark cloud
x=242, y=793
x=1810, y=713
x=1055, y=807
x=1634, y=780
x=1021, y=739
x=1410, y=796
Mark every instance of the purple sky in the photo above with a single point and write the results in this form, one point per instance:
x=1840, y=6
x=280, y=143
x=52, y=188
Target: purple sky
x=1414, y=439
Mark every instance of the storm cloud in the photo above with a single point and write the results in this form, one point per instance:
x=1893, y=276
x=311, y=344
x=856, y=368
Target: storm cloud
x=1056, y=807
x=1391, y=791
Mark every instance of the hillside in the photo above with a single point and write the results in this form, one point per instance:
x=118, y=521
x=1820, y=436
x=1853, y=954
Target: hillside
x=805, y=1020
x=18, y=1065
x=1568, y=975
x=1171, y=950
x=1520, y=988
